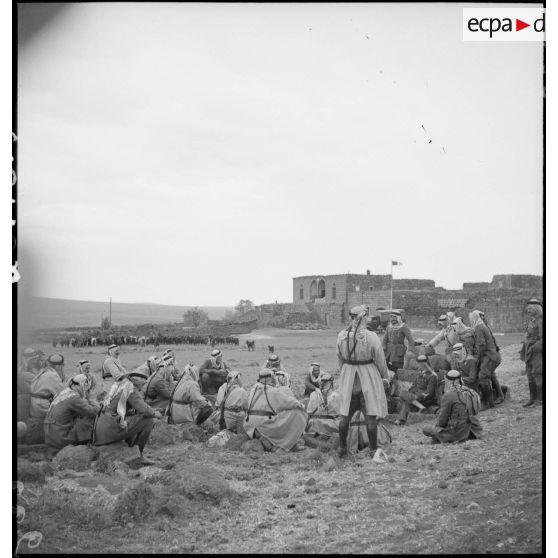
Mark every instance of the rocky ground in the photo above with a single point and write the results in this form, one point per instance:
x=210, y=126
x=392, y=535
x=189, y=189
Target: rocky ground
x=478, y=496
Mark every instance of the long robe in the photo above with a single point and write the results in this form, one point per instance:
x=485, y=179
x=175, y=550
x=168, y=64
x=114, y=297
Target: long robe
x=69, y=421
x=232, y=404
x=186, y=402
x=487, y=351
x=158, y=389
x=319, y=411
x=44, y=388
x=286, y=421
x=368, y=347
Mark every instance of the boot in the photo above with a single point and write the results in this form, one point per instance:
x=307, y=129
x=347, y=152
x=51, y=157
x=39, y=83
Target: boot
x=372, y=432
x=532, y=394
x=539, y=400
x=343, y=433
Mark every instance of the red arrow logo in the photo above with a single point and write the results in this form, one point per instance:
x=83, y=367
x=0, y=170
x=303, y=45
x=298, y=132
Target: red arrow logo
x=519, y=25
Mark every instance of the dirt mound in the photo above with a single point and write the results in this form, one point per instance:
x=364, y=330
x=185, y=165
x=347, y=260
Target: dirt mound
x=135, y=503
x=164, y=434
x=206, y=485
x=30, y=472
x=77, y=458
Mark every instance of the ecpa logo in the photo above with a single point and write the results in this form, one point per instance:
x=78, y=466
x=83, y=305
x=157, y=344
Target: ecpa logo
x=503, y=24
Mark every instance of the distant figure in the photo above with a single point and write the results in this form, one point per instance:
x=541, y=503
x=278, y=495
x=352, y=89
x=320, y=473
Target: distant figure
x=457, y=420
x=250, y=345
x=466, y=365
x=363, y=366
x=532, y=352
x=112, y=367
x=271, y=348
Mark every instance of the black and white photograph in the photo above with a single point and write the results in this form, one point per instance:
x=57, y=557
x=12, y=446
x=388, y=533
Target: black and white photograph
x=279, y=278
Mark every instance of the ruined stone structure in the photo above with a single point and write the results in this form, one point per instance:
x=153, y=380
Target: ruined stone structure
x=326, y=299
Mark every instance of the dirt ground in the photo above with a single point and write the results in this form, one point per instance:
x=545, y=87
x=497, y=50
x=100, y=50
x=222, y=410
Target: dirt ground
x=475, y=497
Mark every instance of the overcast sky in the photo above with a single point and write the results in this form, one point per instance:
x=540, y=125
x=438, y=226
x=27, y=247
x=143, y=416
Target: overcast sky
x=199, y=154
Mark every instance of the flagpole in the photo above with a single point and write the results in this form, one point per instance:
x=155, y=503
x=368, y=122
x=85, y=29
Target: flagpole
x=391, y=288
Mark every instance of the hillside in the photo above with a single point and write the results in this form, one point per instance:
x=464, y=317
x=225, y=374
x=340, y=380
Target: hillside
x=39, y=313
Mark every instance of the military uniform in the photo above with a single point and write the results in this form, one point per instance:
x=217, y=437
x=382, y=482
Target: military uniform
x=423, y=390
x=534, y=357
x=456, y=420
x=394, y=347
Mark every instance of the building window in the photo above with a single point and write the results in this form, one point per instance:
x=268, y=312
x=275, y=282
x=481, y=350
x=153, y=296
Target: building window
x=321, y=289
x=301, y=292
x=371, y=287
x=334, y=291
x=313, y=290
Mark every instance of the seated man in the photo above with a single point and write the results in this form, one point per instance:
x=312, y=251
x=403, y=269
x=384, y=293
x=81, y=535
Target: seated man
x=466, y=364
x=457, y=420
x=125, y=415
x=422, y=393
x=48, y=383
x=213, y=373
x=274, y=415
x=273, y=362
x=283, y=380
x=31, y=364
x=112, y=367
x=312, y=379
x=232, y=403
x=158, y=388
x=323, y=409
x=170, y=361
x=69, y=420
x=187, y=405
x=149, y=367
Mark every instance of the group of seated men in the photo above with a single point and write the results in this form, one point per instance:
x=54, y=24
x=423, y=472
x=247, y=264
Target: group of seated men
x=470, y=350
x=270, y=410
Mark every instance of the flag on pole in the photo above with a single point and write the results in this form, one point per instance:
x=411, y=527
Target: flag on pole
x=396, y=263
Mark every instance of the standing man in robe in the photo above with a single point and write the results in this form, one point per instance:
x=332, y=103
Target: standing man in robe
x=394, y=341
x=363, y=367
x=533, y=352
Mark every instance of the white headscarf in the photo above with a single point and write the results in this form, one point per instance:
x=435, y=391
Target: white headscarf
x=475, y=318
x=121, y=388
x=283, y=378
x=192, y=371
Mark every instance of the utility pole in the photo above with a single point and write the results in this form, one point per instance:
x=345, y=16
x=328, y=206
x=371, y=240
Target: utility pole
x=110, y=312
x=391, y=287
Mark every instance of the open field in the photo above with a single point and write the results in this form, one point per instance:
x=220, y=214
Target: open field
x=476, y=497
x=46, y=313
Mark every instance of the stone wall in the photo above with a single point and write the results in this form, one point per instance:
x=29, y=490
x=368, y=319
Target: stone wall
x=413, y=284
x=504, y=309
